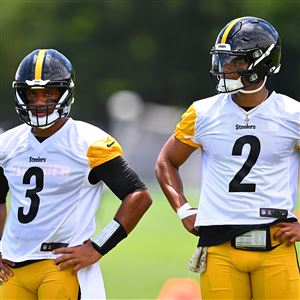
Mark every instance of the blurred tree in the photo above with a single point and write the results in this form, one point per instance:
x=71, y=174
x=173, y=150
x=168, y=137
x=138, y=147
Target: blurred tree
x=159, y=49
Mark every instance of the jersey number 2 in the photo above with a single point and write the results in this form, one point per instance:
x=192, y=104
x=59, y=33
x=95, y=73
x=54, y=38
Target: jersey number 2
x=235, y=184
x=32, y=194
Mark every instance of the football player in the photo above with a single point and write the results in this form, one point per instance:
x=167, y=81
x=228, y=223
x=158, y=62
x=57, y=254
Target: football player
x=249, y=138
x=55, y=168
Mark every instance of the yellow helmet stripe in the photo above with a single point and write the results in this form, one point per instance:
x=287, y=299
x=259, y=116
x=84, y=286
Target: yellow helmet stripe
x=39, y=64
x=229, y=27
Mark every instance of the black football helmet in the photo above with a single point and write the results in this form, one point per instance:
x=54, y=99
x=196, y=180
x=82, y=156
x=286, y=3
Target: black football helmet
x=246, y=41
x=40, y=69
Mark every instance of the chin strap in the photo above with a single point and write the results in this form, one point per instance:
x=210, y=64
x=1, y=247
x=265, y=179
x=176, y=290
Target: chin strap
x=253, y=91
x=237, y=86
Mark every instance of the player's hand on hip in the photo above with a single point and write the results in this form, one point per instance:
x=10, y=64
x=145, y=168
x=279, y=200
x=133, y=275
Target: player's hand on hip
x=288, y=233
x=76, y=257
x=189, y=224
x=5, y=271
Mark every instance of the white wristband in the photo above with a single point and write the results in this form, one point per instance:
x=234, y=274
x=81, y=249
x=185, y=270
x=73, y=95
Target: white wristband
x=185, y=211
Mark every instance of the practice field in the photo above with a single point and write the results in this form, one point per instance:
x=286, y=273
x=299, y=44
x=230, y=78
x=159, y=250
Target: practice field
x=157, y=250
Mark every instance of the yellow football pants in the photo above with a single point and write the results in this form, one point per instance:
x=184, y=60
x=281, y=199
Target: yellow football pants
x=244, y=275
x=41, y=280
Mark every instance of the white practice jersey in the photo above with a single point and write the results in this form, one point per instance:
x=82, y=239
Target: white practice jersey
x=249, y=159
x=52, y=200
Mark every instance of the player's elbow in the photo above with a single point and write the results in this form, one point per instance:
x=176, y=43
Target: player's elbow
x=161, y=166
x=159, y=163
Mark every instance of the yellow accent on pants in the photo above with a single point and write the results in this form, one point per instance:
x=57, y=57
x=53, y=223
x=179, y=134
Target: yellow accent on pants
x=41, y=280
x=244, y=275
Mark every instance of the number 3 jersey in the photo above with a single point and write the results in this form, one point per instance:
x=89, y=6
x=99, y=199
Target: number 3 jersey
x=249, y=158
x=52, y=200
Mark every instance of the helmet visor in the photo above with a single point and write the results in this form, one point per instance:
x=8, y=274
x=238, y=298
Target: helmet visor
x=229, y=63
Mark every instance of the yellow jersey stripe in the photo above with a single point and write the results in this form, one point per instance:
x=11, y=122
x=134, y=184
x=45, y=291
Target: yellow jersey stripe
x=185, y=129
x=39, y=65
x=227, y=30
x=102, y=151
x=298, y=147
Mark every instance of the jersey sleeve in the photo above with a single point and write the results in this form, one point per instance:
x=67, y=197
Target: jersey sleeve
x=102, y=151
x=185, y=129
x=118, y=176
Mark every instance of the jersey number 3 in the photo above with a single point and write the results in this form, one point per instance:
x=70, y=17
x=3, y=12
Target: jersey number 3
x=32, y=194
x=236, y=184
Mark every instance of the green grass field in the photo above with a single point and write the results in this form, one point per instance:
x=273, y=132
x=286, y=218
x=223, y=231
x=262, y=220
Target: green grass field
x=157, y=250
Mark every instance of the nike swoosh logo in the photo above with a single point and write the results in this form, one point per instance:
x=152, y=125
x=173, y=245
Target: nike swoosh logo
x=110, y=144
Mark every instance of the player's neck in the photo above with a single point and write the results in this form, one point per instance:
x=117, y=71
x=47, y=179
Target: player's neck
x=250, y=100
x=49, y=131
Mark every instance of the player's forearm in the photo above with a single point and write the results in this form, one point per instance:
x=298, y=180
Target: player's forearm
x=170, y=181
x=133, y=208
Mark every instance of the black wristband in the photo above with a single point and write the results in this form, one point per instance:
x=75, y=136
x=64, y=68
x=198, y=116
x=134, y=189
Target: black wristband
x=109, y=237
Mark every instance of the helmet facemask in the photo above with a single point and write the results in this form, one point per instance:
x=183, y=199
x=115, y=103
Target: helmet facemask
x=56, y=109
x=228, y=69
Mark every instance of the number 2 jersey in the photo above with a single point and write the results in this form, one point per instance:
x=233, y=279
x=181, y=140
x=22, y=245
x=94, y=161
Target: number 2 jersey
x=249, y=159
x=52, y=200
